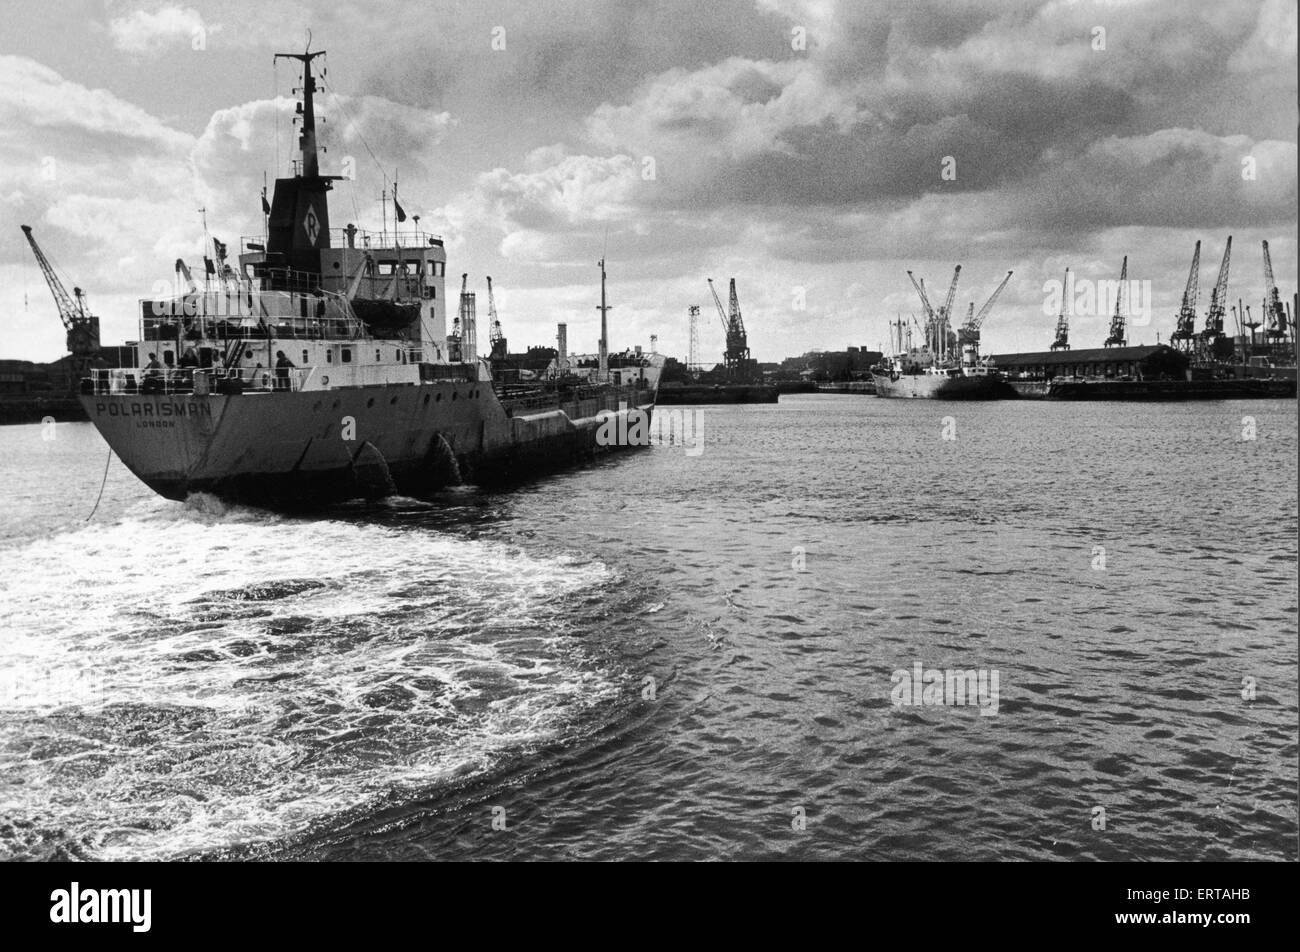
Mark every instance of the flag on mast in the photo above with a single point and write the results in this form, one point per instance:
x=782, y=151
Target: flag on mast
x=397, y=208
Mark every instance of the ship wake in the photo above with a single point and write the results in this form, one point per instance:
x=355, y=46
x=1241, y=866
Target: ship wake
x=170, y=688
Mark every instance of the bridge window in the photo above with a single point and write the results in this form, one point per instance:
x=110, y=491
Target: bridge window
x=329, y=356
x=345, y=355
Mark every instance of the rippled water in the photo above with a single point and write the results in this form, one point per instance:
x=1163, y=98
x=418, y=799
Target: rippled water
x=668, y=655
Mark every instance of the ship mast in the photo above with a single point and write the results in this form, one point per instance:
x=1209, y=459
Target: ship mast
x=298, y=224
x=602, y=369
x=307, y=140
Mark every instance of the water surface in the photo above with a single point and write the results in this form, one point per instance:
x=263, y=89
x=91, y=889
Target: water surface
x=674, y=655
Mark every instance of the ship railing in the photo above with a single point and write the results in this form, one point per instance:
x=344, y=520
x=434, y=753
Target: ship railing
x=606, y=397
x=361, y=238
x=287, y=279
x=400, y=238
x=198, y=381
x=523, y=404
x=165, y=330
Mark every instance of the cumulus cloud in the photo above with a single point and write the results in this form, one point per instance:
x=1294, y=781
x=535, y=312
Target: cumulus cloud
x=1168, y=178
x=147, y=31
x=1274, y=36
x=530, y=210
x=35, y=98
x=242, y=143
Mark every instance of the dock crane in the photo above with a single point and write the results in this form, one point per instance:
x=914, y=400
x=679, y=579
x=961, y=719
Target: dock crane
x=968, y=336
x=82, y=327
x=456, y=339
x=1218, y=301
x=1274, y=310
x=693, y=354
x=938, y=321
x=1062, y=341
x=1117, y=336
x=1250, y=321
x=945, y=313
x=930, y=317
x=737, y=354
x=495, y=337
x=1184, y=330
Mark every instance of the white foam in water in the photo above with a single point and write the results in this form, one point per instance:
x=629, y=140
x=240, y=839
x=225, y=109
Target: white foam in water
x=198, y=677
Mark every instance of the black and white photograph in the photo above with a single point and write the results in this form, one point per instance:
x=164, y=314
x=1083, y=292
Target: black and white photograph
x=764, y=430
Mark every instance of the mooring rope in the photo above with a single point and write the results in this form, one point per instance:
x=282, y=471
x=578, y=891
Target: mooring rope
x=102, y=483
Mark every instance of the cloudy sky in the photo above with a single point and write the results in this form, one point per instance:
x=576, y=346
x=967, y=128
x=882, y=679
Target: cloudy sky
x=814, y=150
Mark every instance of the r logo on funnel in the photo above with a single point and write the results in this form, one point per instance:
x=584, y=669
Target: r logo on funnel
x=311, y=225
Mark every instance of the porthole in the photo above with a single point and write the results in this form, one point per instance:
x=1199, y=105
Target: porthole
x=438, y=398
x=324, y=381
x=336, y=403
x=315, y=406
x=392, y=402
x=453, y=394
x=426, y=399
x=370, y=402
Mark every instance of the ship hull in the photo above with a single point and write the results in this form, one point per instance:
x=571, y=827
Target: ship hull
x=304, y=448
x=937, y=387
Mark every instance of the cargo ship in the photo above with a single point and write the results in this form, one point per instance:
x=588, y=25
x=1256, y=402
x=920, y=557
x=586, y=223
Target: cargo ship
x=947, y=364
x=321, y=369
x=902, y=377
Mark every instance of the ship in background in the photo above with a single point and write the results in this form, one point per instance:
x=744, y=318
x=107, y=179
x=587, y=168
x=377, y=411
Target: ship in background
x=321, y=368
x=943, y=364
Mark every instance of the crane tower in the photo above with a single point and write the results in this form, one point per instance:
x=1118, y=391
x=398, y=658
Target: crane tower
x=1062, y=341
x=82, y=327
x=1118, y=321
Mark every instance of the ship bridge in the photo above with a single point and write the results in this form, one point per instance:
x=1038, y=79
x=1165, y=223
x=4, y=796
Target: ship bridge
x=356, y=262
